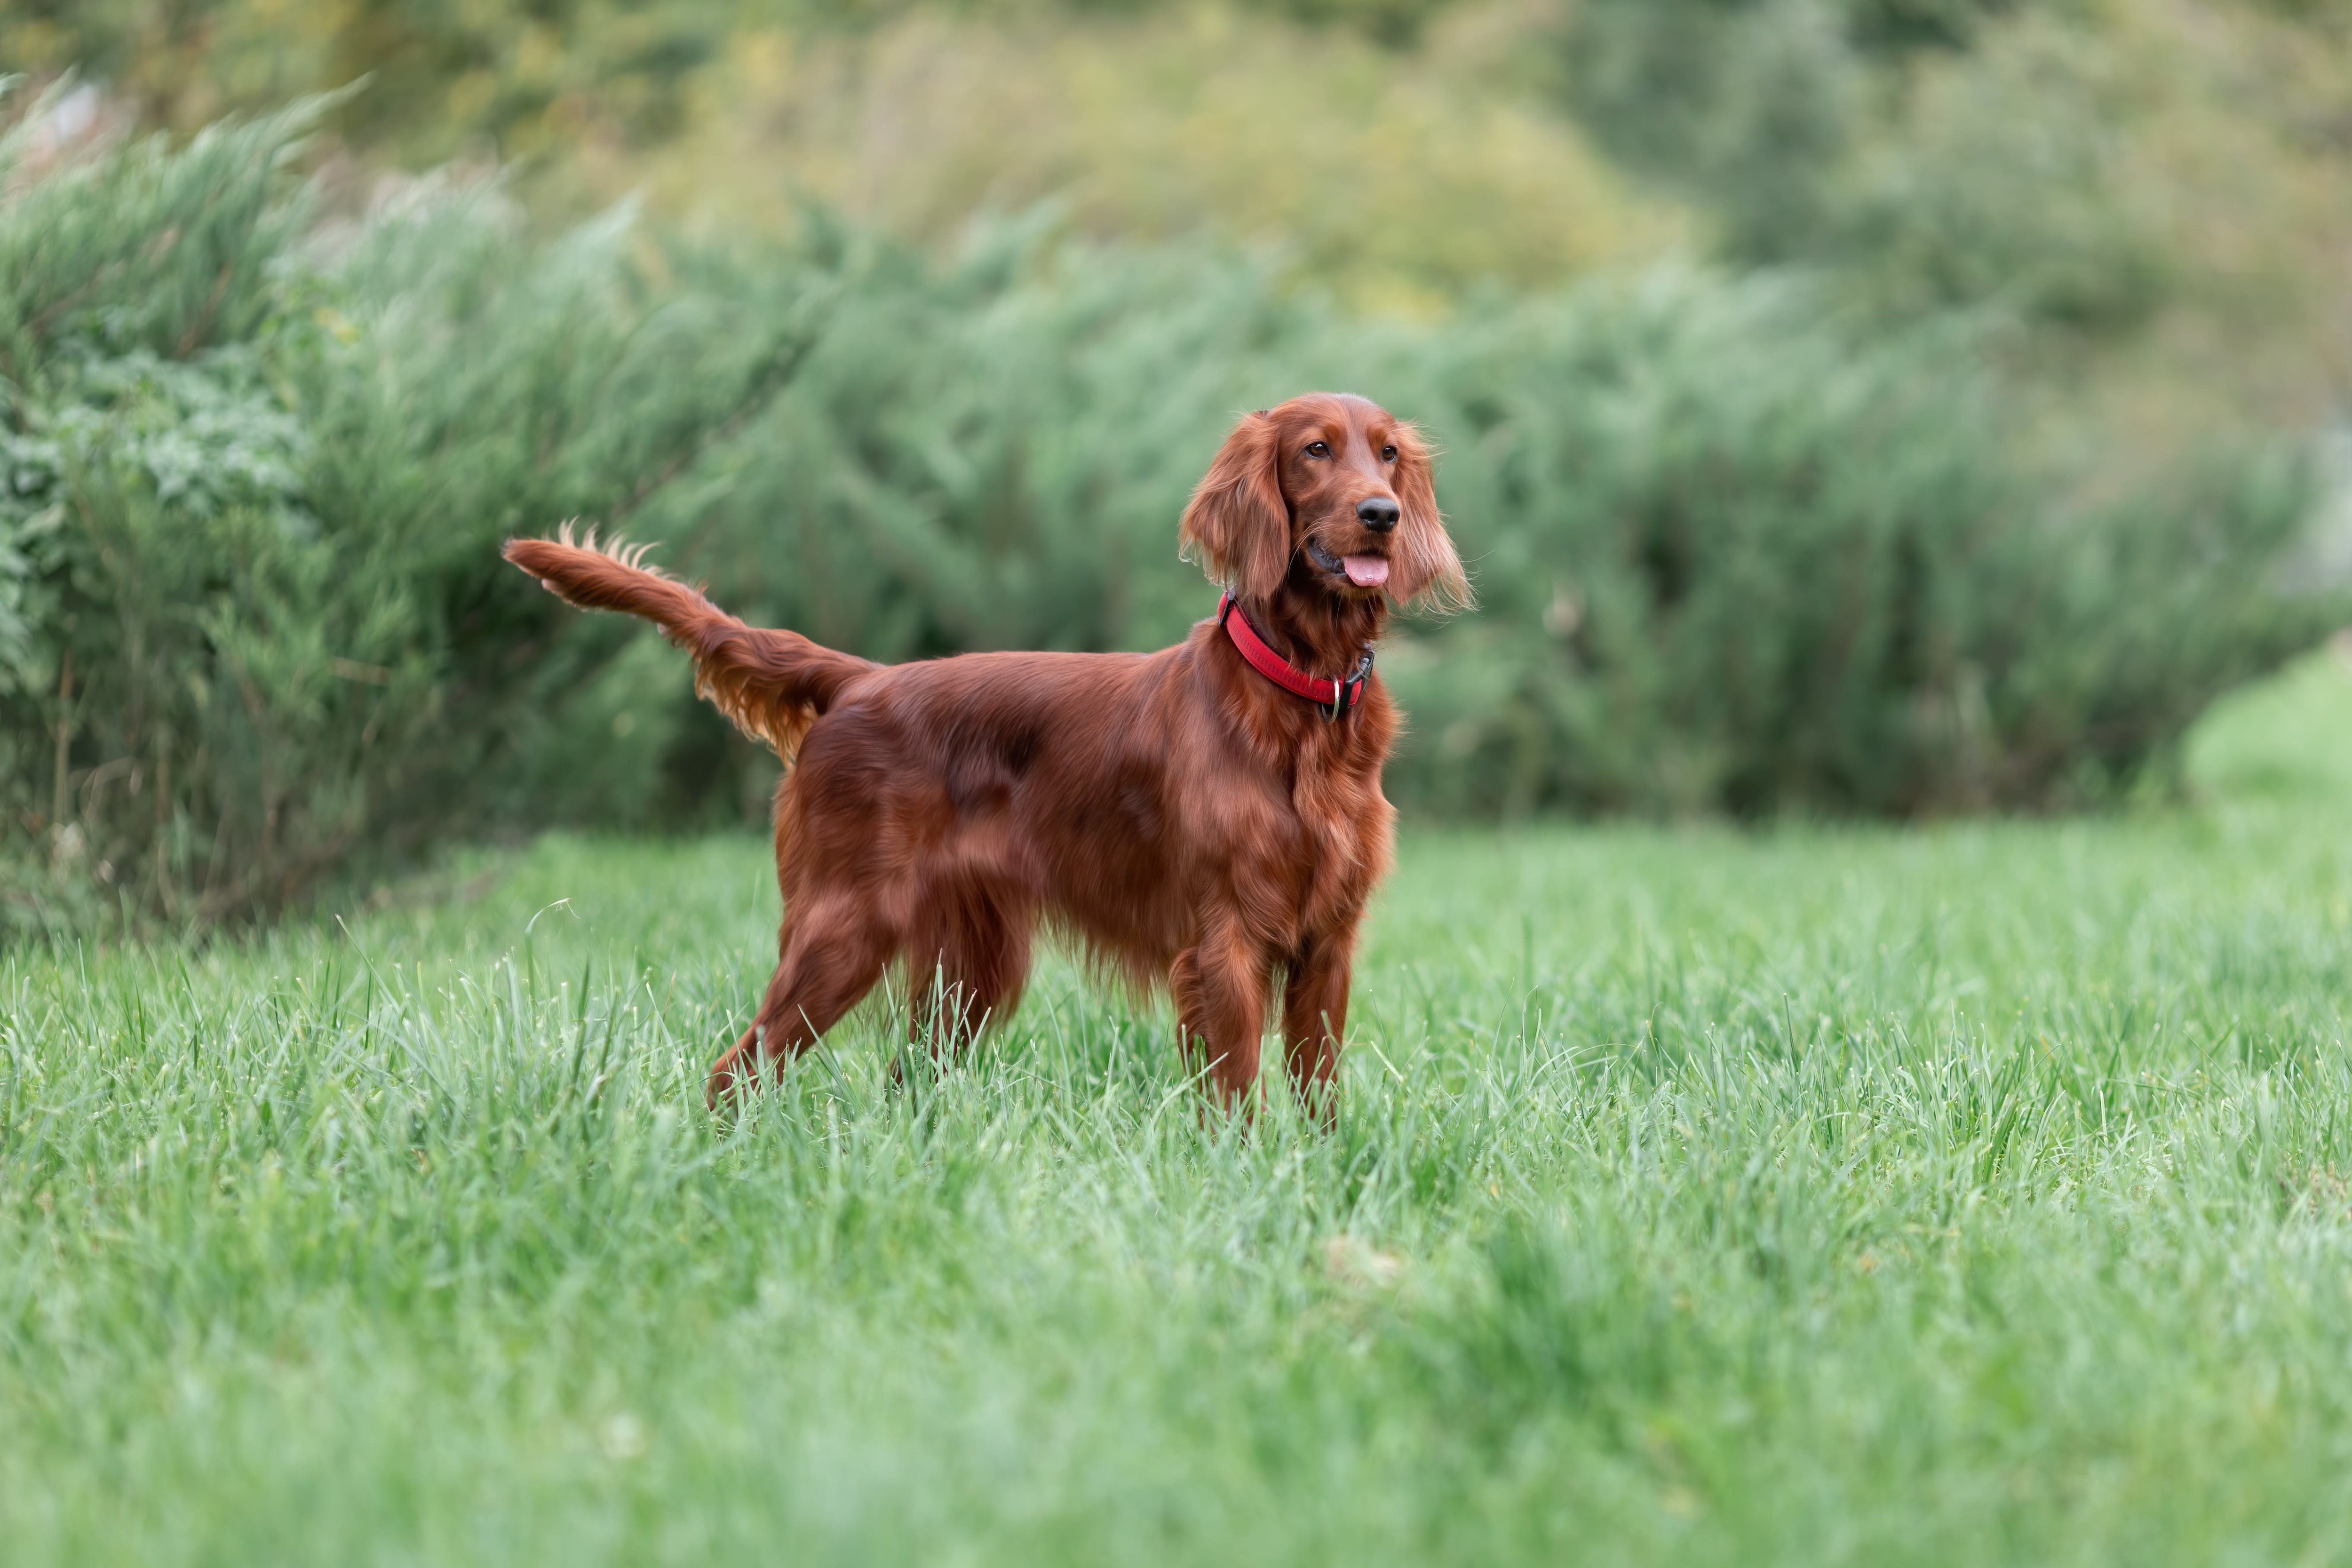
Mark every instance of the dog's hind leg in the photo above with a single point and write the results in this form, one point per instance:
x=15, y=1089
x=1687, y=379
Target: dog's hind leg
x=833, y=954
x=976, y=948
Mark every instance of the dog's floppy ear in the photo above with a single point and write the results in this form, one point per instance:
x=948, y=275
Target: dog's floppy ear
x=1237, y=525
x=1427, y=569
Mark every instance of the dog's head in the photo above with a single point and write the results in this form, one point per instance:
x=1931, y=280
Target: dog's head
x=1330, y=489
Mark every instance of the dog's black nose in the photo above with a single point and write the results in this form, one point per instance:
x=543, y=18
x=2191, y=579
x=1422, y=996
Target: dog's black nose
x=1376, y=512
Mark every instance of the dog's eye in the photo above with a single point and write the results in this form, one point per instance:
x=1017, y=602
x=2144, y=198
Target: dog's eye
x=1319, y=449
x=1387, y=454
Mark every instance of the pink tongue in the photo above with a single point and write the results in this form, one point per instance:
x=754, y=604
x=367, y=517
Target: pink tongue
x=1366, y=571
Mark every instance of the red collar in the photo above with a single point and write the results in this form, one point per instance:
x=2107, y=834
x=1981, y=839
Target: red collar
x=1341, y=696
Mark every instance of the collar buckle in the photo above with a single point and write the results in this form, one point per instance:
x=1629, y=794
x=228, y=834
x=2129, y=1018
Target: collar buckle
x=1348, y=695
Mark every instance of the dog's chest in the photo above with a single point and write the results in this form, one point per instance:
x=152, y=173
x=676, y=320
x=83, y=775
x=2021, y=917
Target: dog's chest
x=1344, y=826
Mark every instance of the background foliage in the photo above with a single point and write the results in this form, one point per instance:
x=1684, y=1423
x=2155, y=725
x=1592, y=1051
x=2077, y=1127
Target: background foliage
x=252, y=469
x=1880, y=407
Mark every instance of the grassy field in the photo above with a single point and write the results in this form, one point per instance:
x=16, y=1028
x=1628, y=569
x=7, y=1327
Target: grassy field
x=1974, y=1193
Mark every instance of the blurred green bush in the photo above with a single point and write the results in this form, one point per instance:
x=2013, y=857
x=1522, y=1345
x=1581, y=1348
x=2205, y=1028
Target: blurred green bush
x=253, y=468
x=1736, y=554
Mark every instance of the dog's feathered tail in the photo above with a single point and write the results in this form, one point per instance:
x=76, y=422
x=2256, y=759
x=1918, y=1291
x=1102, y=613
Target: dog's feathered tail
x=772, y=684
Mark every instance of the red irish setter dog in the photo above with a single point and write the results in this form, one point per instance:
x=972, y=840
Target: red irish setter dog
x=1208, y=815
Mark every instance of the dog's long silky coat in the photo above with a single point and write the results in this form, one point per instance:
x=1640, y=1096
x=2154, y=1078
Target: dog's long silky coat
x=1185, y=817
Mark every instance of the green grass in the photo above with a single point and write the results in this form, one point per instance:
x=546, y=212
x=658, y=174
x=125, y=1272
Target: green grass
x=1971, y=1193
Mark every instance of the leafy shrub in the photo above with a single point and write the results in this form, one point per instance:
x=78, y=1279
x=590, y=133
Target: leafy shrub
x=1936, y=152
x=253, y=627
x=1735, y=557
x=246, y=629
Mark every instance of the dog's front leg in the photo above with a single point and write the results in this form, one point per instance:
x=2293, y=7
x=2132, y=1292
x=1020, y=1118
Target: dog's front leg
x=1220, y=987
x=1315, y=1018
